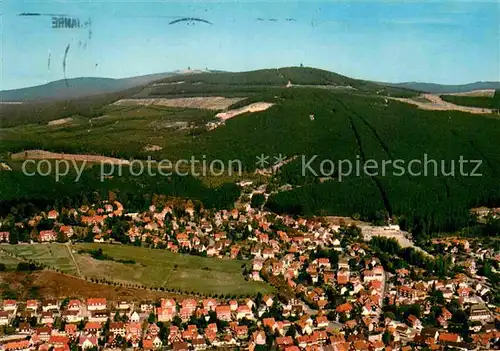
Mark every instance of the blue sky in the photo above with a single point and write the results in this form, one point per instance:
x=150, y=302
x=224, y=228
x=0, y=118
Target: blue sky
x=448, y=42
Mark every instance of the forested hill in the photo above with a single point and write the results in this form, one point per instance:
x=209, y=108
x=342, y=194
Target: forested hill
x=298, y=76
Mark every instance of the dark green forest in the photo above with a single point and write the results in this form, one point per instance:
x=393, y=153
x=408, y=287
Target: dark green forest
x=24, y=196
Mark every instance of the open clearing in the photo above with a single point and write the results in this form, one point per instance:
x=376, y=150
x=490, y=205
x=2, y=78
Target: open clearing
x=437, y=104
x=152, y=148
x=47, y=155
x=61, y=121
x=153, y=268
x=483, y=92
x=255, y=107
x=369, y=231
x=203, y=102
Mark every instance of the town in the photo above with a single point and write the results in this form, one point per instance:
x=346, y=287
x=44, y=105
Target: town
x=334, y=287
x=250, y=175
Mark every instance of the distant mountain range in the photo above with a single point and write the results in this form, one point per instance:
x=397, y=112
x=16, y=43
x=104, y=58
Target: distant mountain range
x=78, y=87
x=75, y=88
x=439, y=88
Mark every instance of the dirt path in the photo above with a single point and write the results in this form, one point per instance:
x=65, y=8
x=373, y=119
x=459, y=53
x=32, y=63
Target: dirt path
x=74, y=261
x=437, y=104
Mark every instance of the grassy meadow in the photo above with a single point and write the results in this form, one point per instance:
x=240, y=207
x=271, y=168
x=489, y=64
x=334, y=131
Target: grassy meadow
x=53, y=255
x=9, y=261
x=152, y=268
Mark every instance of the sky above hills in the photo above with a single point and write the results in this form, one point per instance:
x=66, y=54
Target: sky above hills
x=447, y=42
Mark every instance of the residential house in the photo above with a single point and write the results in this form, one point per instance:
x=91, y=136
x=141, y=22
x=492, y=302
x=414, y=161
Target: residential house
x=87, y=342
x=50, y=305
x=209, y=304
x=268, y=300
x=53, y=214
x=10, y=306
x=25, y=328
x=4, y=237
x=92, y=327
x=223, y=312
x=47, y=317
x=70, y=330
x=117, y=328
x=71, y=316
x=414, y=322
x=99, y=316
x=57, y=341
x=47, y=235
x=32, y=305
x=244, y=312
x=479, y=312
x=4, y=317
x=74, y=305
x=66, y=230
x=447, y=338
x=165, y=314
x=96, y=304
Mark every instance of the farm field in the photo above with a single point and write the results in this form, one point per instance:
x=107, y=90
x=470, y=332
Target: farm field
x=161, y=268
x=53, y=255
x=9, y=261
x=153, y=268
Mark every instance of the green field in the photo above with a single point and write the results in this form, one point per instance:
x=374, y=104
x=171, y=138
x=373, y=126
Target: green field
x=153, y=268
x=9, y=261
x=52, y=255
